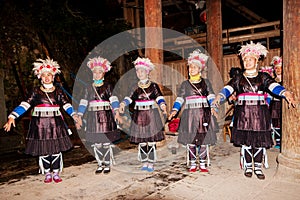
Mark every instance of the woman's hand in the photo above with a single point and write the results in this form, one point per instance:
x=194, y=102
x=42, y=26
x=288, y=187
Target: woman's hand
x=118, y=118
x=214, y=112
x=290, y=98
x=216, y=101
x=78, y=121
x=122, y=108
x=163, y=107
x=172, y=115
x=7, y=126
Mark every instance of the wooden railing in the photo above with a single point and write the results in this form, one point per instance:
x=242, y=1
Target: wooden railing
x=253, y=32
x=265, y=31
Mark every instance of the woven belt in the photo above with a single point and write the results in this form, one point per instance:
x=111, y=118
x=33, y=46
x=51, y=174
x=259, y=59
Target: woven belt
x=46, y=113
x=97, y=108
x=196, y=105
x=251, y=102
x=144, y=107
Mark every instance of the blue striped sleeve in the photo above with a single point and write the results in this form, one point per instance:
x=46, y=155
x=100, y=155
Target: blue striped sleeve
x=178, y=103
x=277, y=89
x=127, y=101
x=160, y=100
x=20, y=110
x=69, y=109
x=82, y=107
x=226, y=91
x=114, y=101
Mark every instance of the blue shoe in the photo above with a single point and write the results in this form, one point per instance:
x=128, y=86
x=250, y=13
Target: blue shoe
x=145, y=167
x=150, y=168
x=277, y=147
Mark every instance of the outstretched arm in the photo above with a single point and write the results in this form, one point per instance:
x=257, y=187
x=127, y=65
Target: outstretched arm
x=222, y=96
x=16, y=113
x=279, y=90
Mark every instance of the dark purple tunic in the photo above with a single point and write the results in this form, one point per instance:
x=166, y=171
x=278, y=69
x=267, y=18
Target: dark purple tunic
x=47, y=135
x=197, y=125
x=252, y=123
x=101, y=125
x=146, y=125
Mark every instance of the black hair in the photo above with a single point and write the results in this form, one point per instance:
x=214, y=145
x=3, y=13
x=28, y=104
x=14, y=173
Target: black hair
x=234, y=71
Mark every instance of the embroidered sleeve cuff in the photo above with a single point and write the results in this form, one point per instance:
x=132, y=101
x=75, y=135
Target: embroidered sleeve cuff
x=277, y=89
x=211, y=98
x=127, y=101
x=21, y=109
x=12, y=116
x=223, y=97
x=282, y=93
x=160, y=100
x=69, y=109
x=82, y=107
x=114, y=101
x=178, y=103
x=226, y=91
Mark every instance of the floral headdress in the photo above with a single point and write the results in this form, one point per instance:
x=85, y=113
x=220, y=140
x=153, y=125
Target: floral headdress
x=276, y=60
x=198, y=59
x=144, y=63
x=267, y=69
x=48, y=66
x=99, y=62
x=255, y=50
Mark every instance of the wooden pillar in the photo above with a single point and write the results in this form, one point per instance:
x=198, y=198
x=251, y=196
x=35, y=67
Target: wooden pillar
x=289, y=158
x=215, y=44
x=214, y=32
x=153, y=36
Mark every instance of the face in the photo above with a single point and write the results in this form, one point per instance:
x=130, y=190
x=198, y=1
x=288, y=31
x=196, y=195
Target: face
x=278, y=69
x=47, y=78
x=141, y=74
x=194, y=70
x=249, y=62
x=98, y=74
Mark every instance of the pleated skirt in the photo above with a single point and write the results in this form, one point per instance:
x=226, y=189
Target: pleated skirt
x=252, y=126
x=46, y=136
x=197, y=126
x=146, y=126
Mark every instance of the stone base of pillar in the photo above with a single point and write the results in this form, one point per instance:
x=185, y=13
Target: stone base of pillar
x=288, y=168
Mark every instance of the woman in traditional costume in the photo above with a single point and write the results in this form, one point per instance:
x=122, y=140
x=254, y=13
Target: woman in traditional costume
x=197, y=129
x=276, y=103
x=146, y=125
x=252, y=119
x=103, y=109
x=47, y=135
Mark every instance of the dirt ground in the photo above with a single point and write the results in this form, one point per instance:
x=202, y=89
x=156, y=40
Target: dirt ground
x=19, y=172
x=170, y=180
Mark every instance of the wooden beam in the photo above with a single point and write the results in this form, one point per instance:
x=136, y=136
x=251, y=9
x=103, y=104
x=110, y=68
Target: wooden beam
x=244, y=11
